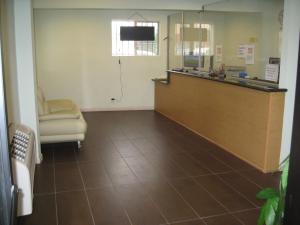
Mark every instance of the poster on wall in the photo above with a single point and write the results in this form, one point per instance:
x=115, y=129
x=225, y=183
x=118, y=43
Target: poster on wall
x=249, y=55
x=272, y=72
x=219, y=53
x=241, y=51
x=245, y=51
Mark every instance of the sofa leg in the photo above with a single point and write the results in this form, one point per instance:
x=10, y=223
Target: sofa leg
x=79, y=145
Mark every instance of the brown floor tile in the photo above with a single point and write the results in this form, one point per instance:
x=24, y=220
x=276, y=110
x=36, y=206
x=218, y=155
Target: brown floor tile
x=119, y=172
x=140, y=168
x=197, y=197
x=88, y=155
x=94, y=175
x=123, y=176
x=190, y=166
x=48, y=155
x=144, y=171
x=248, y=217
x=126, y=148
x=44, y=179
x=106, y=207
x=43, y=207
x=64, y=153
x=144, y=146
x=114, y=164
x=209, y=162
x=72, y=208
x=67, y=177
x=107, y=155
x=140, y=208
x=222, y=220
x=230, y=159
x=242, y=185
x=194, y=222
x=223, y=193
x=168, y=168
x=170, y=203
x=96, y=141
x=262, y=179
x=116, y=134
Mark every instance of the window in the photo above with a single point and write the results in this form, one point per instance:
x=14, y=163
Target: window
x=192, y=47
x=133, y=48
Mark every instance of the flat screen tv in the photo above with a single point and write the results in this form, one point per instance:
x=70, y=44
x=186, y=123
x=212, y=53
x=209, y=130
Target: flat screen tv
x=136, y=33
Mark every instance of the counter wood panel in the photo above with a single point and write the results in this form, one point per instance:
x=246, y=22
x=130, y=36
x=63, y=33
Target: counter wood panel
x=243, y=121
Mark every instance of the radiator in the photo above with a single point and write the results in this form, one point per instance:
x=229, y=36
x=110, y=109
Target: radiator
x=23, y=165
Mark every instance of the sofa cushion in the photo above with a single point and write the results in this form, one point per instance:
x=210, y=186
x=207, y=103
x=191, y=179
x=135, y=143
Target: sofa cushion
x=62, y=127
x=61, y=115
x=61, y=105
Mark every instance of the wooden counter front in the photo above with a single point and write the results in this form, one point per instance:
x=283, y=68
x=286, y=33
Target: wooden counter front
x=243, y=121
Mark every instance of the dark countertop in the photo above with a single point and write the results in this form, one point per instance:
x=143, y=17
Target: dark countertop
x=243, y=83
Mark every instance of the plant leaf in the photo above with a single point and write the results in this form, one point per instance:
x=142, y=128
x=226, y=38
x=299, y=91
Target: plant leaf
x=261, y=219
x=271, y=208
x=267, y=193
x=284, y=175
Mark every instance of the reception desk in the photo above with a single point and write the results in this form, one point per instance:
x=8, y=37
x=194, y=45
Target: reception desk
x=241, y=118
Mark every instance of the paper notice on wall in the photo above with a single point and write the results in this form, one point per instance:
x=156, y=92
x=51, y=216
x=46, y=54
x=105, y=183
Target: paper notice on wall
x=241, y=51
x=249, y=54
x=272, y=72
x=219, y=53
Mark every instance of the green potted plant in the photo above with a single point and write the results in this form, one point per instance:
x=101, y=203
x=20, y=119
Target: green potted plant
x=271, y=212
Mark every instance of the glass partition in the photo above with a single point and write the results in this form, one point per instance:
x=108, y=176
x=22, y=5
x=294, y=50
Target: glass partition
x=175, y=36
x=241, y=44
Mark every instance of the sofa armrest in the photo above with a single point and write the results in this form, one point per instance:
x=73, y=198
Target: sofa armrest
x=58, y=105
x=61, y=115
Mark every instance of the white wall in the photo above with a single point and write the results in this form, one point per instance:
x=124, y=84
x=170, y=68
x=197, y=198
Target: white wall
x=74, y=59
x=289, y=45
x=226, y=5
x=288, y=71
x=26, y=68
x=9, y=61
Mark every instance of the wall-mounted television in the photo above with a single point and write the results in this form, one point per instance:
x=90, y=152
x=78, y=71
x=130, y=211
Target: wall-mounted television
x=136, y=33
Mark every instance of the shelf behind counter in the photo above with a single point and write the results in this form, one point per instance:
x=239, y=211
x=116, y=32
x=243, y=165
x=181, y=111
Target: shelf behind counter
x=243, y=119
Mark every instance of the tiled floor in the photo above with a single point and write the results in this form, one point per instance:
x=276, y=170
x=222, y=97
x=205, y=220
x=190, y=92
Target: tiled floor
x=139, y=168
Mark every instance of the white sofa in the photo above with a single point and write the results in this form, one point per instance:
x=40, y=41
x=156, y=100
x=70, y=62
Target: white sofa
x=60, y=121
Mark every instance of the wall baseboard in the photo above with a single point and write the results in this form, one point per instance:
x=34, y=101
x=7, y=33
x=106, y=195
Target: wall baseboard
x=117, y=109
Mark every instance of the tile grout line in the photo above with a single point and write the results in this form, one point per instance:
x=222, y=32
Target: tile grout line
x=211, y=195
x=232, y=187
x=183, y=221
x=54, y=183
x=115, y=190
x=199, y=217
x=191, y=177
x=234, y=170
x=186, y=202
x=188, y=176
x=147, y=194
x=84, y=190
x=195, y=212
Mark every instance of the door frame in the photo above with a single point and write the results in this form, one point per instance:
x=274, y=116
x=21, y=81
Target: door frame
x=292, y=203
x=6, y=181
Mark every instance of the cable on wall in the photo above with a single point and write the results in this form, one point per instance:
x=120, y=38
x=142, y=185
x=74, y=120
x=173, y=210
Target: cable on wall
x=121, y=82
